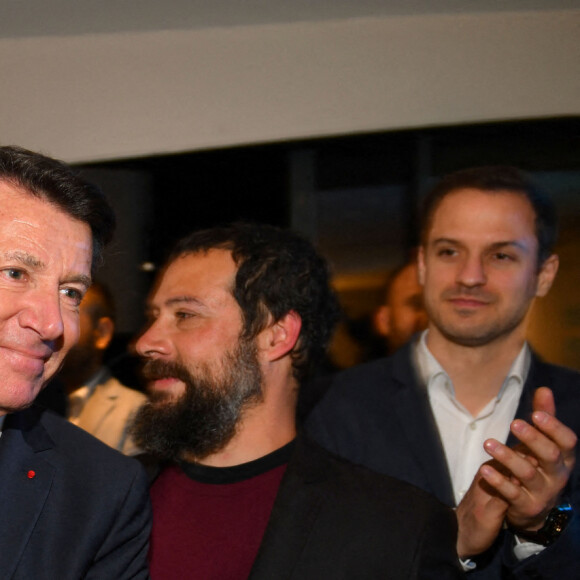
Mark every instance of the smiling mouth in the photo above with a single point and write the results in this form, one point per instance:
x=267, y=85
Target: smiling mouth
x=162, y=382
x=468, y=302
x=41, y=354
x=26, y=361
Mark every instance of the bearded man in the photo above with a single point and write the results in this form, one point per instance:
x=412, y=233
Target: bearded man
x=238, y=317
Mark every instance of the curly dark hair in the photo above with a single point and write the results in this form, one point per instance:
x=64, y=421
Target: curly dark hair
x=56, y=182
x=278, y=272
x=496, y=179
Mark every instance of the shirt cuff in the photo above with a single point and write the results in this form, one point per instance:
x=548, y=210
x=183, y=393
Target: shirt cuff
x=467, y=564
x=523, y=550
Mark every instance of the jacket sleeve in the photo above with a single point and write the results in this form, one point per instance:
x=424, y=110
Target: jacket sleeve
x=436, y=557
x=560, y=560
x=123, y=555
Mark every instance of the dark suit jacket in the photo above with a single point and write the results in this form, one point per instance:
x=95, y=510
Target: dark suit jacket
x=72, y=507
x=377, y=415
x=334, y=520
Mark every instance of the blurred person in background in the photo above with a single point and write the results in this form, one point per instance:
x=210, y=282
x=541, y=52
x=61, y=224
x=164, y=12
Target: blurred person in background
x=97, y=401
x=403, y=312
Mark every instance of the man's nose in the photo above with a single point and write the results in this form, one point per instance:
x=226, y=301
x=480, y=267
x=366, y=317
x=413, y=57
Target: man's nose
x=42, y=312
x=472, y=272
x=153, y=342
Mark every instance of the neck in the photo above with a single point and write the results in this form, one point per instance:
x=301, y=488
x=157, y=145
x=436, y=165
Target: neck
x=263, y=428
x=477, y=372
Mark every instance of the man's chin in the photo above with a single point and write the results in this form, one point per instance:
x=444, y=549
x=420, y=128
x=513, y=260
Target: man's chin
x=7, y=407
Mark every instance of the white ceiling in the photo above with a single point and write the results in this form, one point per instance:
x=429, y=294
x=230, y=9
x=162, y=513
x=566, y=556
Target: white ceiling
x=85, y=80
x=26, y=18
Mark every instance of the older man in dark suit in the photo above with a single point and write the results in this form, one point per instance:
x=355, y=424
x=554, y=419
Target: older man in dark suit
x=71, y=507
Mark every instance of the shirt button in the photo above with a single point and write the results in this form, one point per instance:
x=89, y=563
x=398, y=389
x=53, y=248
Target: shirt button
x=473, y=426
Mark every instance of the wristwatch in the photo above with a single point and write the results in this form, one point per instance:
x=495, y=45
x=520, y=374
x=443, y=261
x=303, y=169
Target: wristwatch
x=555, y=524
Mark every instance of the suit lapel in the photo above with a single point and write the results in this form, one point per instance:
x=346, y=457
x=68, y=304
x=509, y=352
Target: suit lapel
x=98, y=407
x=411, y=405
x=538, y=375
x=25, y=481
x=295, y=511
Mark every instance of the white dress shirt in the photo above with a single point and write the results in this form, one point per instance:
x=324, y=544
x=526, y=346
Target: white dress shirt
x=462, y=434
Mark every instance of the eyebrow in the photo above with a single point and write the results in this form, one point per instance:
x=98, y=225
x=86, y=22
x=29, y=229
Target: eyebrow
x=34, y=263
x=79, y=279
x=495, y=246
x=183, y=300
x=150, y=307
x=26, y=260
x=515, y=243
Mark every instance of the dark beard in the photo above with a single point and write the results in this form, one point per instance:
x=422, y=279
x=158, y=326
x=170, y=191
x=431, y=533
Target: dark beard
x=205, y=418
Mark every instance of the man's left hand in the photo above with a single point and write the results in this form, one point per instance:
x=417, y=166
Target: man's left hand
x=538, y=469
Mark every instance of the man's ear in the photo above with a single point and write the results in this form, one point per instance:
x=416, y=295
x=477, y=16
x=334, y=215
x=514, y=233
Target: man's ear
x=280, y=337
x=382, y=320
x=421, y=265
x=103, y=332
x=547, y=274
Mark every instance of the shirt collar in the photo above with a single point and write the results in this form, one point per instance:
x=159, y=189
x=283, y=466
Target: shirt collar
x=429, y=368
x=86, y=390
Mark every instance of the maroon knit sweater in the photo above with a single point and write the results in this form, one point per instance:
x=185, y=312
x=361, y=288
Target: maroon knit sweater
x=208, y=522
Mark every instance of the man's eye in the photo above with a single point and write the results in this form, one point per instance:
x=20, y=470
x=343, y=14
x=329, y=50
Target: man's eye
x=14, y=273
x=446, y=252
x=184, y=315
x=73, y=295
x=501, y=256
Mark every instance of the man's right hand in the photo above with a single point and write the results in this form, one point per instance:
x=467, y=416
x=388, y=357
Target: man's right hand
x=480, y=516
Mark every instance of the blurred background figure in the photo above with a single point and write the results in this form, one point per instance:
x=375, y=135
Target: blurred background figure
x=403, y=313
x=98, y=402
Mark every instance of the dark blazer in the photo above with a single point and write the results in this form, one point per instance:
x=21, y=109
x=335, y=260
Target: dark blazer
x=335, y=520
x=332, y=519
x=72, y=507
x=379, y=416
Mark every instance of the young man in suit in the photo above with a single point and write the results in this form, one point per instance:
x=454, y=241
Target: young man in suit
x=237, y=318
x=436, y=412
x=71, y=506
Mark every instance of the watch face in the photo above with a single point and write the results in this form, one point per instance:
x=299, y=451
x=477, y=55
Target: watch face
x=557, y=521
x=555, y=524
